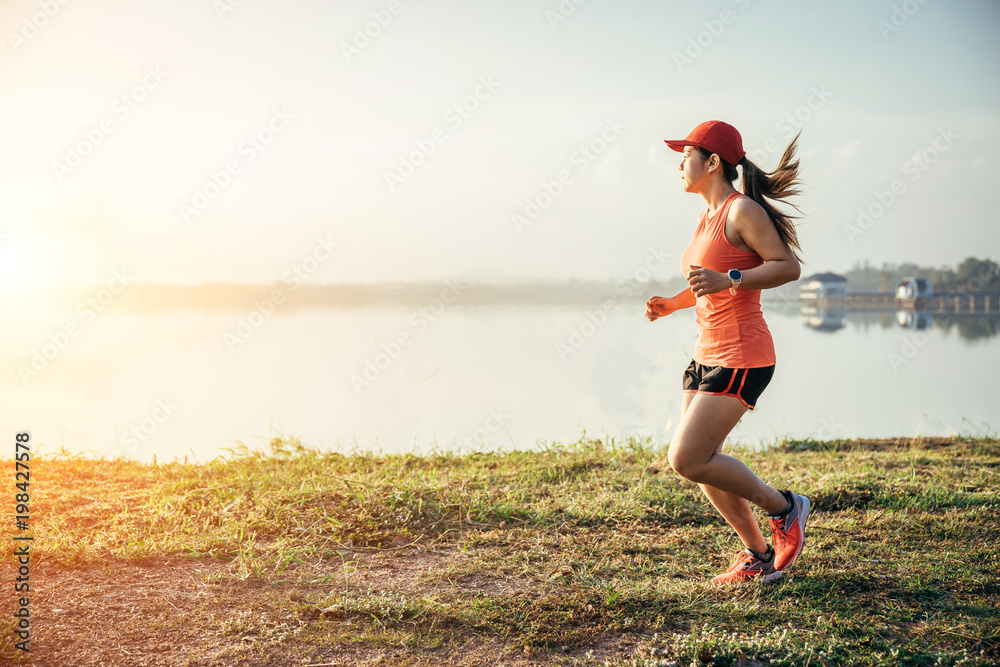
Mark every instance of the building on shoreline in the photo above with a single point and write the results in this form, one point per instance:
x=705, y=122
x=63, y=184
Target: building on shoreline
x=914, y=288
x=823, y=286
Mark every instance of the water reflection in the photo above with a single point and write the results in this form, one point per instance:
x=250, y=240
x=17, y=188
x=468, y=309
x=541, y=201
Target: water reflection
x=916, y=320
x=824, y=319
x=967, y=326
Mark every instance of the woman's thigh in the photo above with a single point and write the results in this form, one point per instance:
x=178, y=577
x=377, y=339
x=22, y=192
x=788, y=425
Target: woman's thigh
x=705, y=422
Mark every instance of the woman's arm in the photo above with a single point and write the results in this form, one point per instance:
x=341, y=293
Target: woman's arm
x=758, y=233
x=661, y=306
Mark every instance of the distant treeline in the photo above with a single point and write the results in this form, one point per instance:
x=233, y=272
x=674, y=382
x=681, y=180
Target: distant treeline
x=971, y=275
x=282, y=296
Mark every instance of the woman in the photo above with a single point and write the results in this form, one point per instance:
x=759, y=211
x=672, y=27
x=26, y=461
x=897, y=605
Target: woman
x=742, y=245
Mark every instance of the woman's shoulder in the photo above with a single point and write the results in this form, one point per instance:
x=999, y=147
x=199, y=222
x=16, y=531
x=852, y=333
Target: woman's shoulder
x=744, y=203
x=745, y=210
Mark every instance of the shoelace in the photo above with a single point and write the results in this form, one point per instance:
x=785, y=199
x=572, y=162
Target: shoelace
x=748, y=560
x=742, y=561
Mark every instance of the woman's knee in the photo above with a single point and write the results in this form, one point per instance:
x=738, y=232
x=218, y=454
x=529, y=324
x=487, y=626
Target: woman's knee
x=685, y=464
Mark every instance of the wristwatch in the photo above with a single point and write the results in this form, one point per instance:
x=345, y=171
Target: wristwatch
x=737, y=278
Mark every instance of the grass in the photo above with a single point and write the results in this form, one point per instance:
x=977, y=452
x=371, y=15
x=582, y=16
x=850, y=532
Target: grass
x=584, y=553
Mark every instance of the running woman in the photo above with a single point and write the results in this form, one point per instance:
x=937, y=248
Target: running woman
x=743, y=244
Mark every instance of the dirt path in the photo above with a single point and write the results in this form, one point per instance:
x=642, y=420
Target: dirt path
x=193, y=613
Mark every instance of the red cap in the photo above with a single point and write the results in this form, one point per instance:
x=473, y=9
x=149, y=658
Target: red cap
x=713, y=135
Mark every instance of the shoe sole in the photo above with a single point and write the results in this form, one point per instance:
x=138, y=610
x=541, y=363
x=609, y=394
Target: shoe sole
x=768, y=578
x=752, y=581
x=801, y=520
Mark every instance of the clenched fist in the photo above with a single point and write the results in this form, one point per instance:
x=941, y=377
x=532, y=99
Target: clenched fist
x=659, y=306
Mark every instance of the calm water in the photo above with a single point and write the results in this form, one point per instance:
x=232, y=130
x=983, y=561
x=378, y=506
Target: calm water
x=476, y=377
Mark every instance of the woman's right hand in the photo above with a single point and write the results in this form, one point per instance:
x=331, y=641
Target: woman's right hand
x=659, y=306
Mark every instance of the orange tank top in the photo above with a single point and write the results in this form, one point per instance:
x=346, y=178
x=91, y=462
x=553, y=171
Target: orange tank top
x=731, y=329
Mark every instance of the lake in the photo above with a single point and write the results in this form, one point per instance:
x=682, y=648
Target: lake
x=176, y=383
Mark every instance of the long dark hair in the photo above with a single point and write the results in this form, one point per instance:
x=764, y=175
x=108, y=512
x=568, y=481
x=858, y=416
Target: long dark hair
x=761, y=185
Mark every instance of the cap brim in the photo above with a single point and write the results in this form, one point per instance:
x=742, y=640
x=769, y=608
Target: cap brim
x=678, y=144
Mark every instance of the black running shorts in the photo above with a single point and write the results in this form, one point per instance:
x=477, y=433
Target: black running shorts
x=746, y=384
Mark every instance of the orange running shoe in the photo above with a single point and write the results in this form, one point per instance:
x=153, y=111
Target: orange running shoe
x=748, y=567
x=789, y=531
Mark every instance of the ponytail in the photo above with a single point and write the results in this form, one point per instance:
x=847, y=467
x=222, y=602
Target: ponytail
x=781, y=183
x=761, y=185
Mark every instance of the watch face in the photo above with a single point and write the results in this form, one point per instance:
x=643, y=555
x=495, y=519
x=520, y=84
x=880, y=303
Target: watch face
x=734, y=274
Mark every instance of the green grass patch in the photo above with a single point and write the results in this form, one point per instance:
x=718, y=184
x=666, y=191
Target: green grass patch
x=552, y=552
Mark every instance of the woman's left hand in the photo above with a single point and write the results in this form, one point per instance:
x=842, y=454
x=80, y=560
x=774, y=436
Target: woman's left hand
x=706, y=281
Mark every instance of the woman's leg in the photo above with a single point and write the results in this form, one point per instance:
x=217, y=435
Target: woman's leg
x=734, y=509
x=695, y=454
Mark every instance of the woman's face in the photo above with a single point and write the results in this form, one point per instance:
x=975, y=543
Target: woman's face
x=694, y=169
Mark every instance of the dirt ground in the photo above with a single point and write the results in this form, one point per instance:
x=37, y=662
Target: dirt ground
x=191, y=613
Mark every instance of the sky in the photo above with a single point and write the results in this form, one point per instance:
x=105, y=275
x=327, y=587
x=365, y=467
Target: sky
x=396, y=140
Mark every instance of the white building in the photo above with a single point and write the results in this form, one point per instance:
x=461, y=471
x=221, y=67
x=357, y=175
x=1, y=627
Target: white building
x=823, y=286
x=914, y=288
